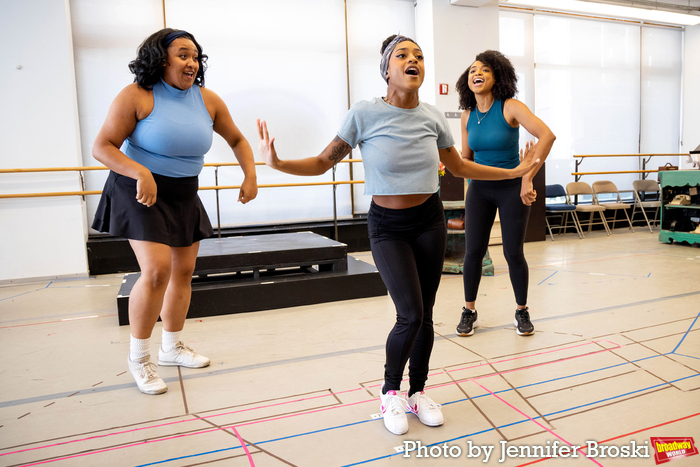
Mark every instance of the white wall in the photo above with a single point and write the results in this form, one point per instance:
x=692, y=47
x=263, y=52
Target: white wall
x=451, y=36
x=691, y=92
x=39, y=237
x=369, y=23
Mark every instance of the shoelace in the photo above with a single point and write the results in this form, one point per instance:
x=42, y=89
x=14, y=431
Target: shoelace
x=180, y=347
x=394, y=405
x=147, y=371
x=524, y=314
x=424, y=400
x=466, y=315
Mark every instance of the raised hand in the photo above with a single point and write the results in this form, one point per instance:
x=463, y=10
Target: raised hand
x=266, y=146
x=527, y=159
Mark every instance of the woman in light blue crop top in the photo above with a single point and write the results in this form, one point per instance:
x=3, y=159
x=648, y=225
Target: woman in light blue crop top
x=402, y=141
x=490, y=134
x=163, y=123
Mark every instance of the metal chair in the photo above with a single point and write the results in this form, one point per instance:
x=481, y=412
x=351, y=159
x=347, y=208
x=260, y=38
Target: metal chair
x=647, y=194
x=554, y=208
x=605, y=187
x=575, y=189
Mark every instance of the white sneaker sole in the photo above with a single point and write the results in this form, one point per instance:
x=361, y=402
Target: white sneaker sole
x=154, y=392
x=428, y=424
x=162, y=363
x=395, y=432
x=517, y=331
x=467, y=334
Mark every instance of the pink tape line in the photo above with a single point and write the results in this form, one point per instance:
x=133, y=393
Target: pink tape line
x=535, y=421
x=245, y=448
x=298, y=400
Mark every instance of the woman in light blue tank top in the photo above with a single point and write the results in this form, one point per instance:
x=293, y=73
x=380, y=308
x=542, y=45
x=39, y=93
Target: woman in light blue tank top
x=490, y=133
x=402, y=141
x=163, y=124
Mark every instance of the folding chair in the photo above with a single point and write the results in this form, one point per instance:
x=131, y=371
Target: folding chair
x=584, y=189
x=554, y=208
x=642, y=191
x=605, y=187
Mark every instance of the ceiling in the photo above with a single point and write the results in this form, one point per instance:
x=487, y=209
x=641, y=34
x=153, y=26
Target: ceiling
x=677, y=6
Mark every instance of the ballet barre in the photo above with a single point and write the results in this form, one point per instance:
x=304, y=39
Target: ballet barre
x=216, y=187
x=645, y=158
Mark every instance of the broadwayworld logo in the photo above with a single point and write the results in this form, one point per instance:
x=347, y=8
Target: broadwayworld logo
x=668, y=449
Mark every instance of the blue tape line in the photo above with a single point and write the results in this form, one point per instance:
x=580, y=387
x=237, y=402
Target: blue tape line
x=19, y=295
x=192, y=455
x=548, y=277
x=686, y=333
x=454, y=402
x=682, y=355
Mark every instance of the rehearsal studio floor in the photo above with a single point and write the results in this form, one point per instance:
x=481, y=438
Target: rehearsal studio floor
x=615, y=359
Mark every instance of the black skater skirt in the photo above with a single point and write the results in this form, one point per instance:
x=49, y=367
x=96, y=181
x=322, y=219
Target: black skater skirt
x=177, y=219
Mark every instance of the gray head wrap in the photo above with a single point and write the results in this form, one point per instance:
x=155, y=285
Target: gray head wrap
x=384, y=64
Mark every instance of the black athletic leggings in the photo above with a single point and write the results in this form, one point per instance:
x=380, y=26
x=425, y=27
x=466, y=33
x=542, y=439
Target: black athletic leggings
x=481, y=202
x=408, y=247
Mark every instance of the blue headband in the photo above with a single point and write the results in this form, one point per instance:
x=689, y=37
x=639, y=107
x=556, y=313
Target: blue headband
x=174, y=35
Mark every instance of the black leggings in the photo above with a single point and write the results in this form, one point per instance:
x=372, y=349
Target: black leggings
x=408, y=247
x=481, y=202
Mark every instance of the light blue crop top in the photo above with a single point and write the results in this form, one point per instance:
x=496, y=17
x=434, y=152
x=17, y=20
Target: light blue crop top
x=494, y=141
x=399, y=146
x=173, y=139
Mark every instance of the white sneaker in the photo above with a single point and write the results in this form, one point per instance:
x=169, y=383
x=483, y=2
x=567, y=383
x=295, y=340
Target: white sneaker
x=182, y=355
x=147, y=379
x=428, y=411
x=395, y=419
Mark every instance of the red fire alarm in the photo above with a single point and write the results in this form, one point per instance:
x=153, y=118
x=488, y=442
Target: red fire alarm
x=443, y=89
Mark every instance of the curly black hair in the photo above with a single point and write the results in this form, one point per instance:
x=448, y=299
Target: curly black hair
x=504, y=75
x=152, y=54
x=391, y=38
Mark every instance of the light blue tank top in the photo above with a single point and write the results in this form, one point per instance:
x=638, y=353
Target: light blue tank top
x=399, y=147
x=173, y=139
x=494, y=142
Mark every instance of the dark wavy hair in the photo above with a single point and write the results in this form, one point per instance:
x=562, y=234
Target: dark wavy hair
x=391, y=38
x=152, y=54
x=505, y=85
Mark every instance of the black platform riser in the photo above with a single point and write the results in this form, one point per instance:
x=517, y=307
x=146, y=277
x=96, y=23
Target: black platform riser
x=224, y=296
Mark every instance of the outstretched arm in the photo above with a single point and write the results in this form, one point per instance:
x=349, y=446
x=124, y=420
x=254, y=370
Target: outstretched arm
x=466, y=168
x=334, y=153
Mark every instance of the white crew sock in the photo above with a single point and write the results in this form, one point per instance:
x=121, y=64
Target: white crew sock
x=170, y=339
x=139, y=348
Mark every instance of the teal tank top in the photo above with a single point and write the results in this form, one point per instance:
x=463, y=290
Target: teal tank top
x=173, y=139
x=494, y=142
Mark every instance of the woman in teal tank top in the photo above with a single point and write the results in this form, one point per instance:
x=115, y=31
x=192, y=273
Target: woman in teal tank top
x=163, y=123
x=490, y=132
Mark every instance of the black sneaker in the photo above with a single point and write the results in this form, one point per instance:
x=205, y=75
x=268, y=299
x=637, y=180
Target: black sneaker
x=468, y=323
x=523, y=325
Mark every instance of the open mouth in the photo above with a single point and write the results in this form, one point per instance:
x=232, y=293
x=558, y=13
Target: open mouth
x=412, y=70
x=189, y=74
x=478, y=81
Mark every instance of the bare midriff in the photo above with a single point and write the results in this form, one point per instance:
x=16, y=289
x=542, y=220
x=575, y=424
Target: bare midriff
x=400, y=201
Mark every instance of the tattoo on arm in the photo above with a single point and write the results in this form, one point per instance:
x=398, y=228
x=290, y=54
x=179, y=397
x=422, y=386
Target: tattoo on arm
x=339, y=151
x=449, y=149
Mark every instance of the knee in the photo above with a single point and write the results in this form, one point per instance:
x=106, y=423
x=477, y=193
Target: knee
x=183, y=273
x=156, y=277
x=411, y=322
x=515, y=259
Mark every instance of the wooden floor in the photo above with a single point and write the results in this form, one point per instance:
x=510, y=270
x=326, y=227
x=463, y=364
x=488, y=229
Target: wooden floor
x=615, y=360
